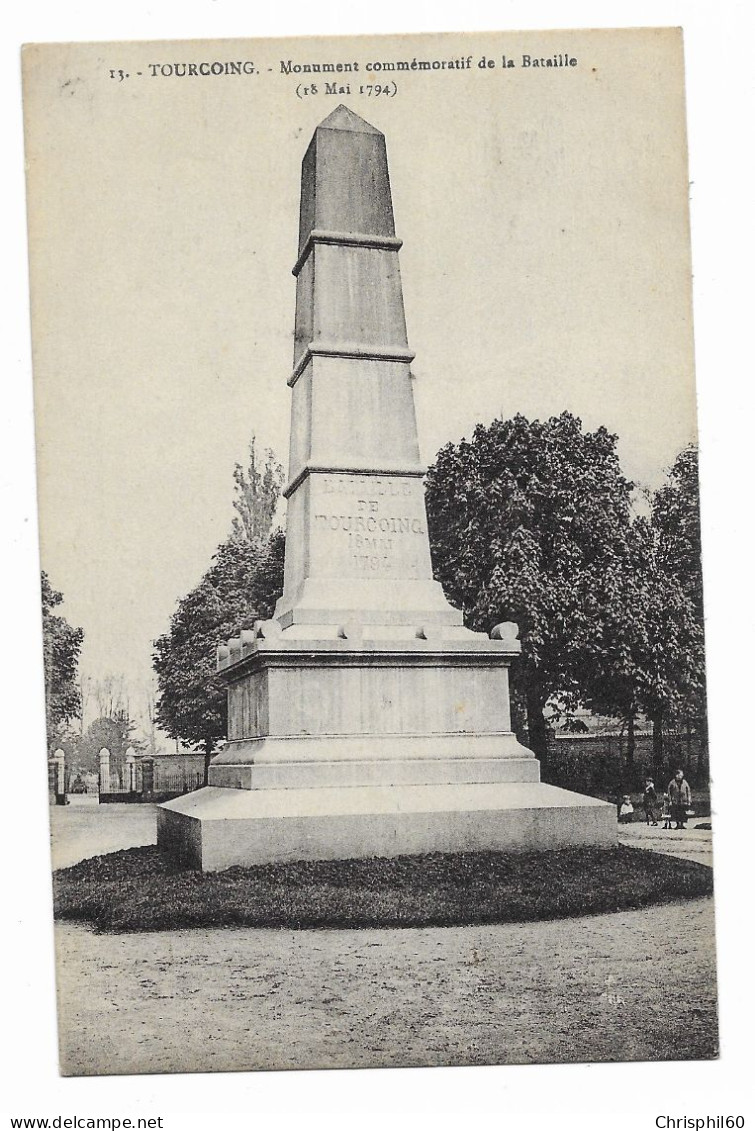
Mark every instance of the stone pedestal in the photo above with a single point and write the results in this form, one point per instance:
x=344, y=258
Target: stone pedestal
x=383, y=713
x=220, y=828
x=364, y=719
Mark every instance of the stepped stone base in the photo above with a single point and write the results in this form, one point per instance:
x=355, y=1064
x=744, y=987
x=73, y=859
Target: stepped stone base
x=340, y=748
x=218, y=828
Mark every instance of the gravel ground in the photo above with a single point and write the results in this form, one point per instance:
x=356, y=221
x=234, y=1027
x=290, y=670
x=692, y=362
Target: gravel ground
x=690, y=844
x=86, y=828
x=240, y=999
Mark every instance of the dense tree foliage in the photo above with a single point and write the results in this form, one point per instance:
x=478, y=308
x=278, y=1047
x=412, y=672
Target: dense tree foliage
x=675, y=520
x=654, y=662
x=675, y=517
x=115, y=732
x=657, y=663
x=530, y=521
x=62, y=648
x=241, y=586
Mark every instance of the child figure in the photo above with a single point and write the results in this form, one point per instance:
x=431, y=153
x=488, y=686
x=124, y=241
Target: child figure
x=666, y=814
x=626, y=811
x=648, y=802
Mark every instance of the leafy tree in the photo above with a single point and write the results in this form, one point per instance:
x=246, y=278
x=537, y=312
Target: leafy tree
x=241, y=586
x=61, y=649
x=612, y=685
x=653, y=648
x=116, y=732
x=656, y=661
x=675, y=520
x=268, y=574
x=258, y=489
x=675, y=515
x=530, y=521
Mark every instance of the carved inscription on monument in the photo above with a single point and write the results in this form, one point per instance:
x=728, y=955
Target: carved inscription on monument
x=370, y=525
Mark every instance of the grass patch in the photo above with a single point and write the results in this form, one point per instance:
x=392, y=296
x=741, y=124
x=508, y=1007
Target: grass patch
x=140, y=890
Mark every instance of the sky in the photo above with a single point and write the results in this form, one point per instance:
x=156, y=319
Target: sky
x=545, y=266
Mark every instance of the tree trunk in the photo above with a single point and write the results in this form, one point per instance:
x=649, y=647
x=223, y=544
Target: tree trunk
x=630, y=740
x=657, y=721
x=703, y=768
x=536, y=726
x=208, y=745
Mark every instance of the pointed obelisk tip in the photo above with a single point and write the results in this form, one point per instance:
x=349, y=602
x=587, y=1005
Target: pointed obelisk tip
x=344, y=119
x=345, y=185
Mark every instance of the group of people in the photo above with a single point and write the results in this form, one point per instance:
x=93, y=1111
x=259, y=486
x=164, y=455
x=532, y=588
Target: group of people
x=677, y=801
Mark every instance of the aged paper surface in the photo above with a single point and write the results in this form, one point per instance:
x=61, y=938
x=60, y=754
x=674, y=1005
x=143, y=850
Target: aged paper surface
x=539, y=185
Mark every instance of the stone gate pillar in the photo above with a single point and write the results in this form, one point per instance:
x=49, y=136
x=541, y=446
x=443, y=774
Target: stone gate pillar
x=104, y=770
x=59, y=776
x=148, y=777
x=130, y=770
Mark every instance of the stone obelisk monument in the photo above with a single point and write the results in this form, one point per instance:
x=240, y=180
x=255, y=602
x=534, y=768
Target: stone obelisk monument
x=364, y=719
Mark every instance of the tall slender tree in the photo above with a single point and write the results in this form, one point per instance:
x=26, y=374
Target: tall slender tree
x=61, y=649
x=258, y=487
x=675, y=520
x=241, y=586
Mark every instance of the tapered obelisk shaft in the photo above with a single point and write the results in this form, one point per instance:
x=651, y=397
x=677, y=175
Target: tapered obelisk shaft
x=358, y=545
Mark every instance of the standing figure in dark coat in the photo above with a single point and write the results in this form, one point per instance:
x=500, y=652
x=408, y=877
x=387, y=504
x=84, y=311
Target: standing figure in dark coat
x=680, y=796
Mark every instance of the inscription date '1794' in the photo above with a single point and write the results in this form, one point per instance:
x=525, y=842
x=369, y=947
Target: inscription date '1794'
x=376, y=534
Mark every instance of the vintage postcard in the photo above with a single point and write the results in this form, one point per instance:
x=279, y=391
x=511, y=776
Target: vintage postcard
x=370, y=538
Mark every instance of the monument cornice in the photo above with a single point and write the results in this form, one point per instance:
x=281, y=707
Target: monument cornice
x=410, y=470
x=349, y=350
x=345, y=239
x=485, y=653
